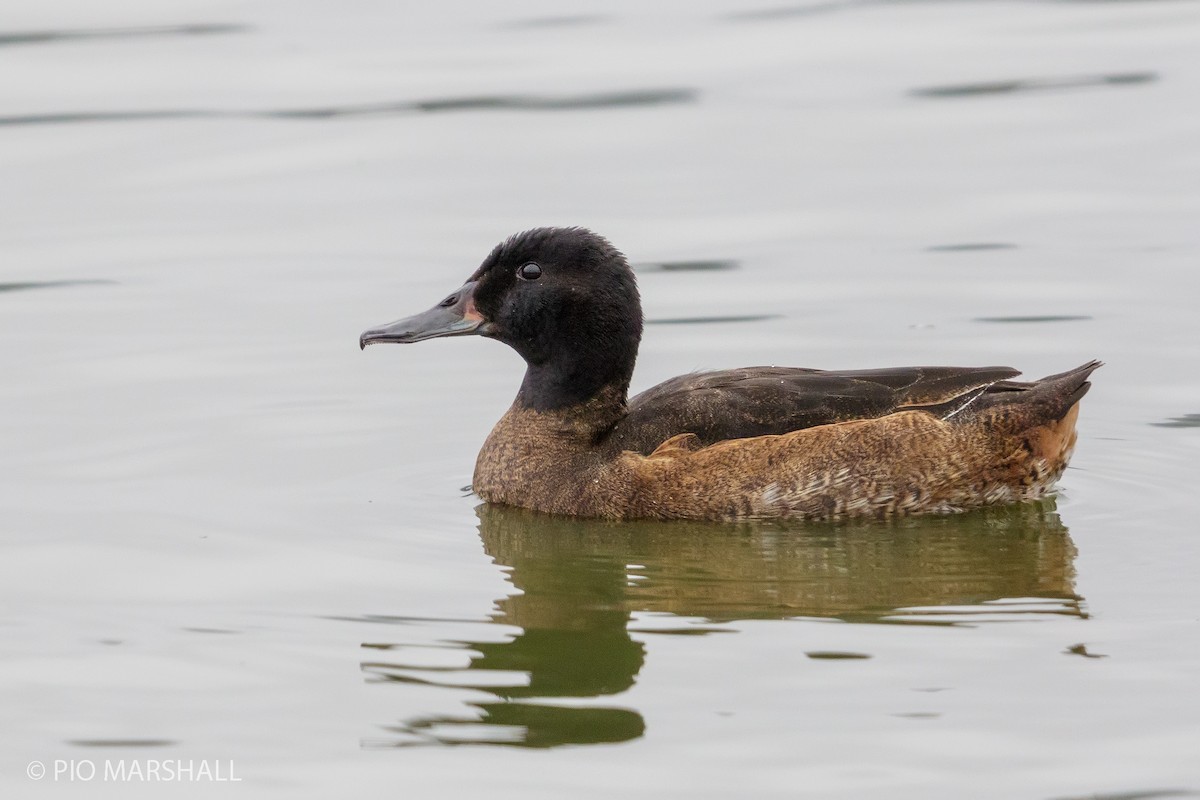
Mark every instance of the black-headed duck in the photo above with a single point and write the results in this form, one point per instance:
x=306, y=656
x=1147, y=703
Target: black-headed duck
x=759, y=442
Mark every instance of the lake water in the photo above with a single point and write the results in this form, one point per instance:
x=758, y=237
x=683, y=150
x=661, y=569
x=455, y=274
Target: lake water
x=230, y=537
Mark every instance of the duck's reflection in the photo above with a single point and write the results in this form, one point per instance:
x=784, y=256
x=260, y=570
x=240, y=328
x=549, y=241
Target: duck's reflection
x=579, y=582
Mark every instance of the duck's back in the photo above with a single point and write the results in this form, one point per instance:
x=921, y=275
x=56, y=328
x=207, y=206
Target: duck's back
x=759, y=401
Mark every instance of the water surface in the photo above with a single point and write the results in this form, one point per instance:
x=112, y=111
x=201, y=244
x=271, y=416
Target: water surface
x=229, y=535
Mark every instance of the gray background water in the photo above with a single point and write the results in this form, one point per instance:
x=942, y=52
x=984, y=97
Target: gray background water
x=228, y=535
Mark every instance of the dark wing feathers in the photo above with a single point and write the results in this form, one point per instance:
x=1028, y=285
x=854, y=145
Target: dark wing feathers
x=756, y=401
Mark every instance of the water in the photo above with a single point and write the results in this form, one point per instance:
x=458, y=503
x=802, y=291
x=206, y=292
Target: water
x=230, y=536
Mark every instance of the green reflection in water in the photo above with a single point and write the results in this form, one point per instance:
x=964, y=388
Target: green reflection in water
x=579, y=581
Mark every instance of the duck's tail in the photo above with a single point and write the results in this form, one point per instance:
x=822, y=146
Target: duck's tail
x=1043, y=400
x=1059, y=393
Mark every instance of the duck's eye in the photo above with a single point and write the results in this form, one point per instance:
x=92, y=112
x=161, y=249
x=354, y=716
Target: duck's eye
x=530, y=271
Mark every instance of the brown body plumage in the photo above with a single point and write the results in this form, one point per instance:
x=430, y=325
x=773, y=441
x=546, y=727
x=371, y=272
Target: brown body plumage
x=1001, y=443
x=753, y=443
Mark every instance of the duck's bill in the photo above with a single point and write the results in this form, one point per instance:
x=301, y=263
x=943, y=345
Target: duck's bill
x=454, y=316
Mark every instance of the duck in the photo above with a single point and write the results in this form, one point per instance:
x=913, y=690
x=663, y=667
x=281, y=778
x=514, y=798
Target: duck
x=756, y=443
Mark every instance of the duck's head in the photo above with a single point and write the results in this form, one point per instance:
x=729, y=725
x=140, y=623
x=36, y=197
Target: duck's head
x=564, y=298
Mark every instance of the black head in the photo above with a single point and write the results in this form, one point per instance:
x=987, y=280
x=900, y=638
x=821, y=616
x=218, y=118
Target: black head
x=564, y=298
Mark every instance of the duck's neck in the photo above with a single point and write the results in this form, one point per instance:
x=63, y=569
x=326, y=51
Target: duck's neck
x=552, y=388
x=592, y=373
x=586, y=420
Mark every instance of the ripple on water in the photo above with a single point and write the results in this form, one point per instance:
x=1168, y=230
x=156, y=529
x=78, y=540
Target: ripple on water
x=712, y=319
x=22, y=286
x=1081, y=650
x=568, y=102
x=49, y=36
x=774, y=13
x=835, y=655
x=555, y=22
x=1036, y=84
x=122, y=742
x=1186, y=421
x=970, y=247
x=703, y=265
x=1035, y=318
x=1136, y=794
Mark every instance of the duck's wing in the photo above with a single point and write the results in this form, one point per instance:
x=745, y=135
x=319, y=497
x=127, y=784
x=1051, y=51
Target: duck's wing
x=755, y=401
